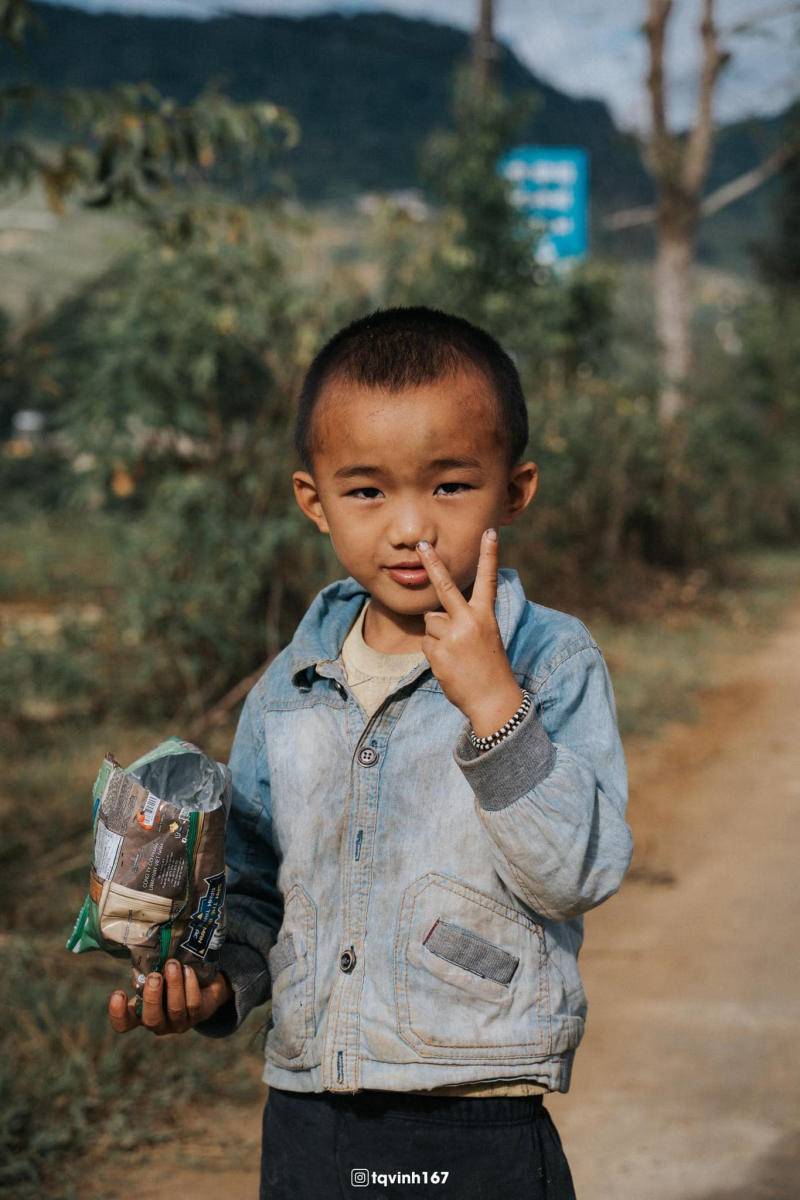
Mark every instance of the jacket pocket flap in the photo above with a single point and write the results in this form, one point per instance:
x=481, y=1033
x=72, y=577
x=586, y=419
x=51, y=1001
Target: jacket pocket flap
x=470, y=951
x=282, y=955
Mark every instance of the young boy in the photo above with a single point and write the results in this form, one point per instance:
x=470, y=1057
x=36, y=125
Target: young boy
x=429, y=792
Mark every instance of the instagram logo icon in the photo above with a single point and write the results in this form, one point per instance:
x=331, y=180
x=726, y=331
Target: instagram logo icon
x=359, y=1177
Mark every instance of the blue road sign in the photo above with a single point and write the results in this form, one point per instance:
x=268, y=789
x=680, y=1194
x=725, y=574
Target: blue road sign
x=551, y=185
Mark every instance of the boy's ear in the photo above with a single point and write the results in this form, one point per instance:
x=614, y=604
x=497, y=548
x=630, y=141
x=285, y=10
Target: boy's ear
x=523, y=483
x=308, y=499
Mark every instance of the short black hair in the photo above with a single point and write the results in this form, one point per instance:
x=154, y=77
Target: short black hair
x=402, y=347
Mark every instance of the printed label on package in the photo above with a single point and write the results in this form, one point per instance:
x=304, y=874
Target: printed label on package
x=106, y=850
x=205, y=918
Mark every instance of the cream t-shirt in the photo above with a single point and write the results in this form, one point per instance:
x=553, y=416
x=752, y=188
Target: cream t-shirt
x=371, y=674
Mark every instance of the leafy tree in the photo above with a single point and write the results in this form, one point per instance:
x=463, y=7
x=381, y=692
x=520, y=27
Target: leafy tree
x=175, y=375
x=487, y=268
x=168, y=381
x=130, y=144
x=476, y=256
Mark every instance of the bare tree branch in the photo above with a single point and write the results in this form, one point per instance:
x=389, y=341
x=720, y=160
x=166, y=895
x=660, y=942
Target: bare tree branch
x=629, y=218
x=721, y=197
x=697, y=155
x=749, y=181
x=218, y=712
x=655, y=32
x=745, y=24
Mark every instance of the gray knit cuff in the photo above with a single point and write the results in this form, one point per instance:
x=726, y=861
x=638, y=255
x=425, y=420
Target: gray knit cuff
x=513, y=767
x=249, y=979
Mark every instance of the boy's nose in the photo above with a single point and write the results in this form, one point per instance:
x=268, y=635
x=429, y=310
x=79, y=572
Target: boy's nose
x=411, y=527
x=408, y=537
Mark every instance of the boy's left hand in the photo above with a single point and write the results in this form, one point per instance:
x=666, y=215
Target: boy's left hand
x=172, y=1003
x=463, y=643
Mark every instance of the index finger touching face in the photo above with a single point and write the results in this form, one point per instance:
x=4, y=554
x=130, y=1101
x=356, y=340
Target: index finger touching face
x=444, y=585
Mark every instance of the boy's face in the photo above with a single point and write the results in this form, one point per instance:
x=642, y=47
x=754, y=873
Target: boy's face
x=378, y=488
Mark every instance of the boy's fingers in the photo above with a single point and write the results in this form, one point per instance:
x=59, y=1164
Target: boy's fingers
x=152, y=1007
x=443, y=583
x=436, y=624
x=120, y=1013
x=176, y=999
x=217, y=993
x=484, y=590
x=194, y=999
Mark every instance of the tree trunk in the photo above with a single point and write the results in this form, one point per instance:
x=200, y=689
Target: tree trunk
x=483, y=50
x=673, y=283
x=679, y=167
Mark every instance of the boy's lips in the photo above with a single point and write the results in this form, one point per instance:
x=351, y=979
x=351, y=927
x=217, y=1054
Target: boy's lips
x=409, y=573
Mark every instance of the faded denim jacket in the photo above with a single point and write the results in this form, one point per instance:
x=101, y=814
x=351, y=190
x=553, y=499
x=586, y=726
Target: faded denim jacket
x=414, y=908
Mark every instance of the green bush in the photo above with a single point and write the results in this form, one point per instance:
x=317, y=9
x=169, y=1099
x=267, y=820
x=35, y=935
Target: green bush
x=176, y=374
x=71, y=1085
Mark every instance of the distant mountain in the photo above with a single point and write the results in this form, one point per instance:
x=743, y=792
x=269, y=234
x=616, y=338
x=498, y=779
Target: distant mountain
x=366, y=88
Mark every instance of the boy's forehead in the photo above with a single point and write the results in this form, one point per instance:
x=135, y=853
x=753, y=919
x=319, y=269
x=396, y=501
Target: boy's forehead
x=454, y=414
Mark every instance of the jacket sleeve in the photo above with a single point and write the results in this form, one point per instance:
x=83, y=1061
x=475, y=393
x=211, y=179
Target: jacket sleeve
x=253, y=903
x=552, y=795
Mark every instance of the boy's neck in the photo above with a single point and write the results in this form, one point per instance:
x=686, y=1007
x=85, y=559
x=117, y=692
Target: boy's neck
x=390, y=632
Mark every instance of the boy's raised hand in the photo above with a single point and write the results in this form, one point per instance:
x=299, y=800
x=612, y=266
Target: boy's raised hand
x=187, y=1002
x=463, y=643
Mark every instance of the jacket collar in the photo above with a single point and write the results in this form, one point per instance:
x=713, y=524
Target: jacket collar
x=323, y=628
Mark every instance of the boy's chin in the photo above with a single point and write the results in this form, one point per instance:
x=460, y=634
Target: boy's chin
x=409, y=599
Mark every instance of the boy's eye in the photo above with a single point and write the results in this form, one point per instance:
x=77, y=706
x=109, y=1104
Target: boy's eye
x=455, y=485
x=449, y=484
x=360, y=491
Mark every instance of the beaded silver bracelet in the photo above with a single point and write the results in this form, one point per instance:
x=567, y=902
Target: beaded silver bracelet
x=491, y=739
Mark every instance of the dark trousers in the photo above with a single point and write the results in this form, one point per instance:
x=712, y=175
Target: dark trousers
x=332, y=1146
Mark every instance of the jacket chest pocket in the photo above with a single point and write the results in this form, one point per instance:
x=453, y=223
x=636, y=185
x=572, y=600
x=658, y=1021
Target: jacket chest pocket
x=292, y=969
x=470, y=975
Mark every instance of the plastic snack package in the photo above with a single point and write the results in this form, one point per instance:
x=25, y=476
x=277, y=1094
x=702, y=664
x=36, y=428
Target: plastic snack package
x=157, y=882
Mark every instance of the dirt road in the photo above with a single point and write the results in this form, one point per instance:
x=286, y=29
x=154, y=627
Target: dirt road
x=686, y=1085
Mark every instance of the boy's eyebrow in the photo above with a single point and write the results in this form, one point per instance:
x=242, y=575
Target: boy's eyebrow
x=440, y=464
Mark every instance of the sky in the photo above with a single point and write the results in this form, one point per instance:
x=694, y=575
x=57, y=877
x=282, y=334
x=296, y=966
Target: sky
x=589, y=47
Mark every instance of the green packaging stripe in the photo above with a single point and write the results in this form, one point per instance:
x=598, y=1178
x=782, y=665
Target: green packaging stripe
x=74, y=940
x=87, y=936
x=166, y=938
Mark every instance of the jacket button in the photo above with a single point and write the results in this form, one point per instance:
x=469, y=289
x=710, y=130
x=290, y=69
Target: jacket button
x=367, y=756
x=347, y=960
